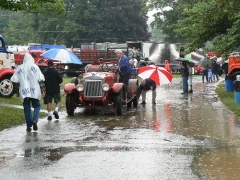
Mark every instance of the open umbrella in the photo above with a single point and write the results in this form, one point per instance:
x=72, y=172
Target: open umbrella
x=159, y=74
x=204, y=62
x=62, y=56
x=192, y=64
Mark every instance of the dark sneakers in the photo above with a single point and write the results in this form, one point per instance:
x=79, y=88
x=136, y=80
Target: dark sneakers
x=154, y=102
x=143, y=102
x=28, y=129
x=49, y=118
x=34, y=123
x=55, y=113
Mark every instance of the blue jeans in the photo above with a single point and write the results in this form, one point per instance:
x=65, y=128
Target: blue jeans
x=215, y=75
x=185, y=84
x=27, y=110
x=205, y=74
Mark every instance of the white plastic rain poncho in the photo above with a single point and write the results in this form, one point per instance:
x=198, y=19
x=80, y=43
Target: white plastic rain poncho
x=28, y=75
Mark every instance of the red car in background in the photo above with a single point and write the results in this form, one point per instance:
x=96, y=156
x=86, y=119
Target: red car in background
x=198, y=69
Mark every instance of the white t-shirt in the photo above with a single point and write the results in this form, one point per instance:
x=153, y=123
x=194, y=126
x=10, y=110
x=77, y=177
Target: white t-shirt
x=134, y=62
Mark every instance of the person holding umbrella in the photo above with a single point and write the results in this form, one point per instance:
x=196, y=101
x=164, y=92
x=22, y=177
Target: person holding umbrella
x=146, y=85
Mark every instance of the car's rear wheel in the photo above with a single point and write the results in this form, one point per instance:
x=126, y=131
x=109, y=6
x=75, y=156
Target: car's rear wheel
x=6, y=86
x=70, y=104
x=119, y=104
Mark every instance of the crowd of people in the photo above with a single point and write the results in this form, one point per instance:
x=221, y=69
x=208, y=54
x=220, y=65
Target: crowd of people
x=210, y=72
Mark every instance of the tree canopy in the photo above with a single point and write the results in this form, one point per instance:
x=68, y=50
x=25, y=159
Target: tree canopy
x=44, y=6
x=81, y=22
x=199, y=21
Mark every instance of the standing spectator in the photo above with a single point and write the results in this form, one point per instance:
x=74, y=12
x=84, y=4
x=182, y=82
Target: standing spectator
x=215, y=68
x=133, y=62
x=30, y=87
x=204, y=73
x=135, y=52
x=167, y=66
x=209, y=75
x=185, y=74
x=53, y=79
x=190, y=69
x=146, y=85
x=124, y=70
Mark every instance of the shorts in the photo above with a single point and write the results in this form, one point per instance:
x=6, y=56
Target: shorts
x=48, y=98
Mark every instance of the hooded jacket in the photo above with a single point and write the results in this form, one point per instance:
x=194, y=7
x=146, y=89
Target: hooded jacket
x=167, y=66
x=28, y=75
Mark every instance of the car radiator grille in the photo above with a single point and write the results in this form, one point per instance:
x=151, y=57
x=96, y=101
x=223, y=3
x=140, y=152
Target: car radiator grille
x=93, y=89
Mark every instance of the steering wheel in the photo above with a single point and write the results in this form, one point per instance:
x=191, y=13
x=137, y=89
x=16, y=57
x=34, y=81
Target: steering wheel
x=106, y=67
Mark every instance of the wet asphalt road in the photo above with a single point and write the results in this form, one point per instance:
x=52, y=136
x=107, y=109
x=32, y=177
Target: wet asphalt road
x=180, y=138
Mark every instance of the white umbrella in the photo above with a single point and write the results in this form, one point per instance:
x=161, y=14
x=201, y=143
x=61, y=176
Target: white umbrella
x=62, y=55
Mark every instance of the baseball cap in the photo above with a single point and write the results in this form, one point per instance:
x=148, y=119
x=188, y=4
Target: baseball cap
x=118, y=51
x=50, y=63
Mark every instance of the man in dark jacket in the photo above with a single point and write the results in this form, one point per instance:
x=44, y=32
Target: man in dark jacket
x=215, y=68
x=53, y=79
x=124, y=69
x=146, y=85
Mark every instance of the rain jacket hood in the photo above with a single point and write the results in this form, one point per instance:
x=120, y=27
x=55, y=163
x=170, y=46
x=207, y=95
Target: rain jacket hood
x=28, y=75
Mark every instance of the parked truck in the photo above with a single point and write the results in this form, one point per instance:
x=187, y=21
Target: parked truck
x=233, y=66
x=7, y=66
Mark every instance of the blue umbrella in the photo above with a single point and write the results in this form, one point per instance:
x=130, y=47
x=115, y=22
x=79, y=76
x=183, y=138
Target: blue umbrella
x=62, y=55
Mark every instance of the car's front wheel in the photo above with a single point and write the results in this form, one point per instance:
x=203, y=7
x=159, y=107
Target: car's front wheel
x=6, y=86
x=119, y=104
x=70, y=104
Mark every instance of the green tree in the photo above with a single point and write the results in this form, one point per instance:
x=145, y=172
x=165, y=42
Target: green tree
x=44, y=6
x=200, y=21
x=157, y=35
x=82, y=22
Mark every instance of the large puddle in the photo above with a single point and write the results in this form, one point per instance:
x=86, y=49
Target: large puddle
x=181, y=137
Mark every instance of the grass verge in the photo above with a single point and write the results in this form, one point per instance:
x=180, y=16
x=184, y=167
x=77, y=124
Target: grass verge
x=11, y=116
x=227, y=98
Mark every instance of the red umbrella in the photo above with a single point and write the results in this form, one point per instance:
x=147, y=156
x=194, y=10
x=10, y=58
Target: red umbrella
x=159, y=74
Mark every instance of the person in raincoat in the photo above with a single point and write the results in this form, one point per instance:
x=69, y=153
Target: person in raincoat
x=29, y=85
x=167, y=66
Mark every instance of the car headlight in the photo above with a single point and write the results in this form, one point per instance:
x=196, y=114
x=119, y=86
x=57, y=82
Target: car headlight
x=80, y=87
x=105, y=87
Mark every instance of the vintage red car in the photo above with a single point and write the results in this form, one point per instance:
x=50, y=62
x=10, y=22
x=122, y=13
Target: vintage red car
x=100, y=87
